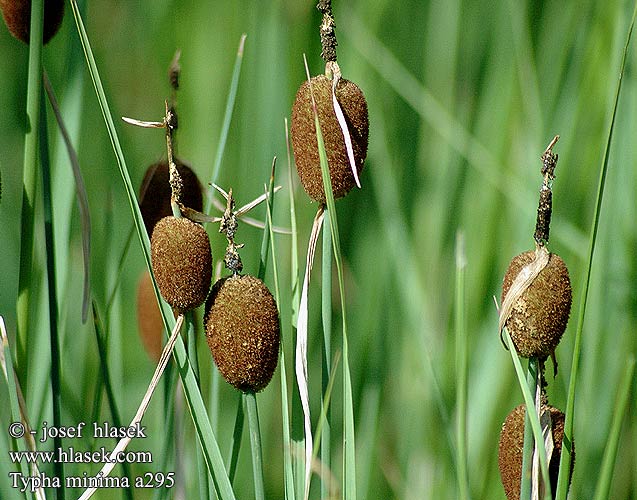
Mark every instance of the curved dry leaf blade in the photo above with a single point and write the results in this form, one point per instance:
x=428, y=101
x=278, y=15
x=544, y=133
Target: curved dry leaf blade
x=143, y=406
x=522, y=281
x=301, y=348
x=82, y=197
x=340, y=116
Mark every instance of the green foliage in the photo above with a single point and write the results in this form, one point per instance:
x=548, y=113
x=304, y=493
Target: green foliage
x=463, y=97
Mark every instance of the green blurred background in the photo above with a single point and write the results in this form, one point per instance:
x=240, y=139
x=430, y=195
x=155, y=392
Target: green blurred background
x=463, y=98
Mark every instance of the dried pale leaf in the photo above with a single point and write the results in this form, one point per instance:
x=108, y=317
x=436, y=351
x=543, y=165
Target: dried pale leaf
x=301, y=348
x=142, y=123
x=522, y=281
x=345, y=129
x=143, y=406
x=246, y=208
x=197, y=216
x=28, y=435
x=82, y=197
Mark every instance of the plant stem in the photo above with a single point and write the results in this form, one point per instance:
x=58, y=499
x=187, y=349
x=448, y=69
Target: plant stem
x=566, y=456
x=461, y=371
x=250, y=400
x=34, y=89
x=56, y=385
x=236, y=440
x=527, y=451
x=326, y=310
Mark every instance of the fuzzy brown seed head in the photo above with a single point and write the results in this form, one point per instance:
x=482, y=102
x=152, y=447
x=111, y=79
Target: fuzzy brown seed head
x=155, y=193
x=17, y=16
x=242, y=328
x=512, y=444
x=539, y=317
x=182, y=262
x=149, y=320
x=303, y=131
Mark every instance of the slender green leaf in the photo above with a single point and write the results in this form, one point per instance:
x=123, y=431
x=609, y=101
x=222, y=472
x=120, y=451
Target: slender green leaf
x=349, y=445
x=461, y=370
x=602, y=491
x=227, y=117
x=29, y=183
x=250, y=401
x=529, y=401
x=566, y=457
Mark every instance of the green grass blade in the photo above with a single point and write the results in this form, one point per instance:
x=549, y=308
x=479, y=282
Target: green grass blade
x=29, y=182
x=56, y=384
x=326, y=316
x=196, y=406
x=227, y=118
x=285, y=410
x=532, y=375
x=602, y=491
x=100, y=338
x=235, y=446
x=250, y=401
x=461, y=371
x=566, y=457
x=349, y=445
x=529, y=401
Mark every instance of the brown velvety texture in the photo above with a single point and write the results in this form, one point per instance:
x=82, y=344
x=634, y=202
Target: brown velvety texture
x=303, y=132
x=17, y=16
x=539, y=317
x=243, y=333
x=512, y=445
x=182, y=262
x=149, y=320
x=155, y=192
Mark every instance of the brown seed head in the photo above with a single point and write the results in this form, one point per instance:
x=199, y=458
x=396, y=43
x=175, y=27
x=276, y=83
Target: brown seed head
x=539, y=317
x=149, y=320
x=17, y=16
x=303, y=131
x=242, y=328
x=155, y=193
x=512, y=445
x=182, y=262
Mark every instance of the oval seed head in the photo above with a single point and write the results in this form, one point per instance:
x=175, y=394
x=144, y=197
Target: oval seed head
x=182, y=262
x=242, y=328
x=149, y=320
x=512, y=444
x=155, y=193
x=303, y=131
x=17, y=16
x=539, y=317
